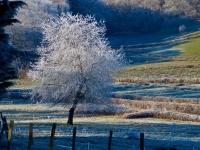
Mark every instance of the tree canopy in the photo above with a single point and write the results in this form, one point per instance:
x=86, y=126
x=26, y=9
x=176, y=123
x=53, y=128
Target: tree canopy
x=76, y=61
x=7, y=71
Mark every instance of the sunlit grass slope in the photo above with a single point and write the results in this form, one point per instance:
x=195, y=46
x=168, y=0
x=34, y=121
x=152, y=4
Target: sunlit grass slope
x=190, y=48
x=184, y=65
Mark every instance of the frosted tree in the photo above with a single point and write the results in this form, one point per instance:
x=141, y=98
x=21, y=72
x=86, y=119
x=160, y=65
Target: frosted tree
x=176, y=8
x=27, y=35
x=76, y=62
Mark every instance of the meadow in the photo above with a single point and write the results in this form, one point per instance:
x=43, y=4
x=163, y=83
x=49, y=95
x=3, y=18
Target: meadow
x=156, y=94
x=169, y=66
x=93, y=129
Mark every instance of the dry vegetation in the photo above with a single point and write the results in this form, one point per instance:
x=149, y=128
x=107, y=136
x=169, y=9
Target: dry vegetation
x=159, y=80
x=165, y=115
x=171, y=72
x=165, y=108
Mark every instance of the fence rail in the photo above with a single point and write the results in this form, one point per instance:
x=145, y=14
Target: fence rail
x=73, y=141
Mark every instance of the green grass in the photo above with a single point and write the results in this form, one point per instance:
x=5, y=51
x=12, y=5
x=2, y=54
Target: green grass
x=190, y=48
x=160, y=70
x=185, y=65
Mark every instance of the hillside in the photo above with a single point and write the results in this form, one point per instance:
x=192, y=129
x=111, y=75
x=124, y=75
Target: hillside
x=180, y=60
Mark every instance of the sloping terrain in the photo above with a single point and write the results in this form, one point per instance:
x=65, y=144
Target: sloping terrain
x=174, y=66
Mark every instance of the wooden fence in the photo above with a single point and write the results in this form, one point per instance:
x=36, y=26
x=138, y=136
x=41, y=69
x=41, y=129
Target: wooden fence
x=73, y=144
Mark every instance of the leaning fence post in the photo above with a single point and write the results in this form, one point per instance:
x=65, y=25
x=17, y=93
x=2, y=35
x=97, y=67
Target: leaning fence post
x=10, y=134
x=52, y=136
x=110, y=140
x=74, y=138
x=30, y=142
x=141, y=141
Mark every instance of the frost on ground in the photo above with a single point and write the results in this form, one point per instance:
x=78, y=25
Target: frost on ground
x=93, y=130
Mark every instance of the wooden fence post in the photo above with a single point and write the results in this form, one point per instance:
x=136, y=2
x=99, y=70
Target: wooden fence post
x=30, y=142
x=110, y=140
x=52, y=136
x=10, y=134
x=141, y=141
x=74, y=138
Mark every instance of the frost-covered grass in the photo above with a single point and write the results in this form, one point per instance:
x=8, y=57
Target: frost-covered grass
x=93, y=130
x=154, y=90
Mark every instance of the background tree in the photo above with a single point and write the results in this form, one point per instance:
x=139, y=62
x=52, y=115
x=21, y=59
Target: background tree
x=27, y=35
x=195, y=8
x=135, y=15
x=76, y=62
x=7, y=52
x=176, y=8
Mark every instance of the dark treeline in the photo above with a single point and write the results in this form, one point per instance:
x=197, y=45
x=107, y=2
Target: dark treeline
x=139, y=16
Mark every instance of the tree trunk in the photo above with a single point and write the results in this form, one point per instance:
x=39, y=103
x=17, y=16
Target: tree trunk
x=71, y=115
x=79, y=95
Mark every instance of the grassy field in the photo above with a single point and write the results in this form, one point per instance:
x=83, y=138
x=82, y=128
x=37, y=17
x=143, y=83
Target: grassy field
x=185, y=64
x=165, y=65
x=93, y=130
x=178, y=69
x=190, y=48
